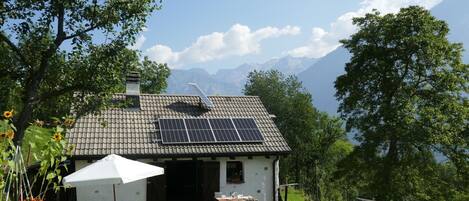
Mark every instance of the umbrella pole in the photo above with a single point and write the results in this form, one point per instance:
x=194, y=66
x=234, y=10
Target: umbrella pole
x=114, y=191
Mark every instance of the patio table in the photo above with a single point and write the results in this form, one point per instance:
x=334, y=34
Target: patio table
x=236, y=198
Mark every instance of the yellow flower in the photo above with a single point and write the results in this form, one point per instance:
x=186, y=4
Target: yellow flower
x=57, y=137
x=8, y=114
x=68, y=122
x=10, y=134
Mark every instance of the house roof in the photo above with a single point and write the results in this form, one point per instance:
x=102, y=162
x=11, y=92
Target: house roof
x=135, y=132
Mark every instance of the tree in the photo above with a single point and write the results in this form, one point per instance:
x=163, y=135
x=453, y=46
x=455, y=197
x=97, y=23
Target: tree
x=59, y=52
x=328, y=146
x=404, y=94
x=317, y=140
x=153, y=76
x=285, y=98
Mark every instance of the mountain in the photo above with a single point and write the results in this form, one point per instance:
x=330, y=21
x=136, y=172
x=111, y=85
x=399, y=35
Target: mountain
x=231, y=81
x=317, y=75
x=319, y=78
x=177, y=83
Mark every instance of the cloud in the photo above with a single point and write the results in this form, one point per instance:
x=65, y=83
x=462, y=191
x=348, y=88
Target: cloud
x=237, y=41
x=322, y=42
x=138, y=43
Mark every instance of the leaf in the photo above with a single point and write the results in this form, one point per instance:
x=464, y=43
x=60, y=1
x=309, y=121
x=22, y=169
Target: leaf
x=59, y=129
x=50, y=176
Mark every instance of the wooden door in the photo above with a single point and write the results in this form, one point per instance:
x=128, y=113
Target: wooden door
x=210, y=180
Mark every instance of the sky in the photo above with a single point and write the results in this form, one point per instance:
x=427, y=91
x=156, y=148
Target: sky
x=215, y=34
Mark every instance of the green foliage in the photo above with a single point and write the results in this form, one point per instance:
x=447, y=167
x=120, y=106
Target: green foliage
x=153, y=76
x=41, y=145
x=317, y=140
x=55, y=53
x=6, y=131
x=405, y=94
x=293, y=194
x=284, y=97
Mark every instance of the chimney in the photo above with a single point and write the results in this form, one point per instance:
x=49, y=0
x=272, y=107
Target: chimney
x=132, y=84
x=132, y=90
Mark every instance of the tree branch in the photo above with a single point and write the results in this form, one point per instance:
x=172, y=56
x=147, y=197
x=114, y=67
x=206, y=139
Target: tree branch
x=79, y=33
x=58, y=92
x=13, y=47
x=60, y=26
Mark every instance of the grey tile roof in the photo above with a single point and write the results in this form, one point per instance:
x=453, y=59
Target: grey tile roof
x=135, y=132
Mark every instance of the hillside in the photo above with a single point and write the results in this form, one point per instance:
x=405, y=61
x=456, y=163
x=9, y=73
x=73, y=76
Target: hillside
x=319, y=78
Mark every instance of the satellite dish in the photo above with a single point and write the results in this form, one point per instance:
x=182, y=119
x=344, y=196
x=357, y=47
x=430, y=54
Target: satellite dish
x=206, y=102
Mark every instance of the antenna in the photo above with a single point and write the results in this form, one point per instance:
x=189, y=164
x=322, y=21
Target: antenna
x=206, y=102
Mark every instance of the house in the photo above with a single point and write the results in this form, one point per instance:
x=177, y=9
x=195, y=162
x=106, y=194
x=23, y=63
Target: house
x=212, y=144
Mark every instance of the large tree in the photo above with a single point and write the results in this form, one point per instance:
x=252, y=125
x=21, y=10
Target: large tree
x=50, y=50
x=317, y=140
x=405, y=93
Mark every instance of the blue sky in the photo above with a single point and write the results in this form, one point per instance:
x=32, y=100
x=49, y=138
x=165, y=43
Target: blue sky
x=215, y=34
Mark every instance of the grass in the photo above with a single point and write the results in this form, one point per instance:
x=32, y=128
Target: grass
x=293, y=194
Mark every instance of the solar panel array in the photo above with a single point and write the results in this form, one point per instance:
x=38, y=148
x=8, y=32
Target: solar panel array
x=211, y=130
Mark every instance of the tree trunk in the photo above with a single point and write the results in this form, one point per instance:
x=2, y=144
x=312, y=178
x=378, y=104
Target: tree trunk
x=22, y=122
x=297, y=169
x=29, y=99
x=388, y=167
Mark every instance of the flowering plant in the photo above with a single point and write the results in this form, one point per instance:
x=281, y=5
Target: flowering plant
x=43, y=145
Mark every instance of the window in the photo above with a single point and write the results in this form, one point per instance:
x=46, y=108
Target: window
x=234, y=172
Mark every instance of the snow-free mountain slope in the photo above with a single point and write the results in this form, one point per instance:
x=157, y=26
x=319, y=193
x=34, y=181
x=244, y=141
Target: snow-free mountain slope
x=231, y=81
x=319, y=78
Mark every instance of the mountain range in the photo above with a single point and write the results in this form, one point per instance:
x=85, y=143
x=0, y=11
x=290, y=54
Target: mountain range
x=317, y=75
x=231, y=81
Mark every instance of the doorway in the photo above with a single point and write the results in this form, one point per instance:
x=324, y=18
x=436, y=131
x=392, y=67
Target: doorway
x=181, y=180
x=186, y=181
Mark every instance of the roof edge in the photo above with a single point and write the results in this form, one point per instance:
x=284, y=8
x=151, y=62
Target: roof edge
x=99, y=156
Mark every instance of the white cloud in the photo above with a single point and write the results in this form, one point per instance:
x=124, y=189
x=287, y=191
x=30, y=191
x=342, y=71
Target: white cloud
x=138, y=43
x=237, y=41
x=322, y=42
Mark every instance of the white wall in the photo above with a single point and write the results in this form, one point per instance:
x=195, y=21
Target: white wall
x=134, y=191
x=258, y=178
x=258, y=182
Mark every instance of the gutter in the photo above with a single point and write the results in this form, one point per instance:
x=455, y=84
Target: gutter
x=137, y=156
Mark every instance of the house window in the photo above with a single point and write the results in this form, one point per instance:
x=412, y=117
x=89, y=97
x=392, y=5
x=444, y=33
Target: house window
x=234, y=172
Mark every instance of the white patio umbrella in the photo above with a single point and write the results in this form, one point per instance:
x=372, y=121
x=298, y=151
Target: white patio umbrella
x=112, y=169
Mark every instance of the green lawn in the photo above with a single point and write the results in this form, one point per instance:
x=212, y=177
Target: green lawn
x=293, y=194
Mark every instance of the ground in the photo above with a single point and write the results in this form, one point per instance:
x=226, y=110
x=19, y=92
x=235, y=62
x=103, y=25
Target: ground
x=293, y=195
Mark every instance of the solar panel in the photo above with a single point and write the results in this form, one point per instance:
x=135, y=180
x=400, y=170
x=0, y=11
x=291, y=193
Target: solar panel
x=199, y=130
x=214, y=130
x=173, y=131
x=248, y=130
x=172, y=124
x=224, y=130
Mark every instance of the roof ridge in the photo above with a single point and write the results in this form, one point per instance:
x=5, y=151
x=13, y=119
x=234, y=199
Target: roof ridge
x=189, y=95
